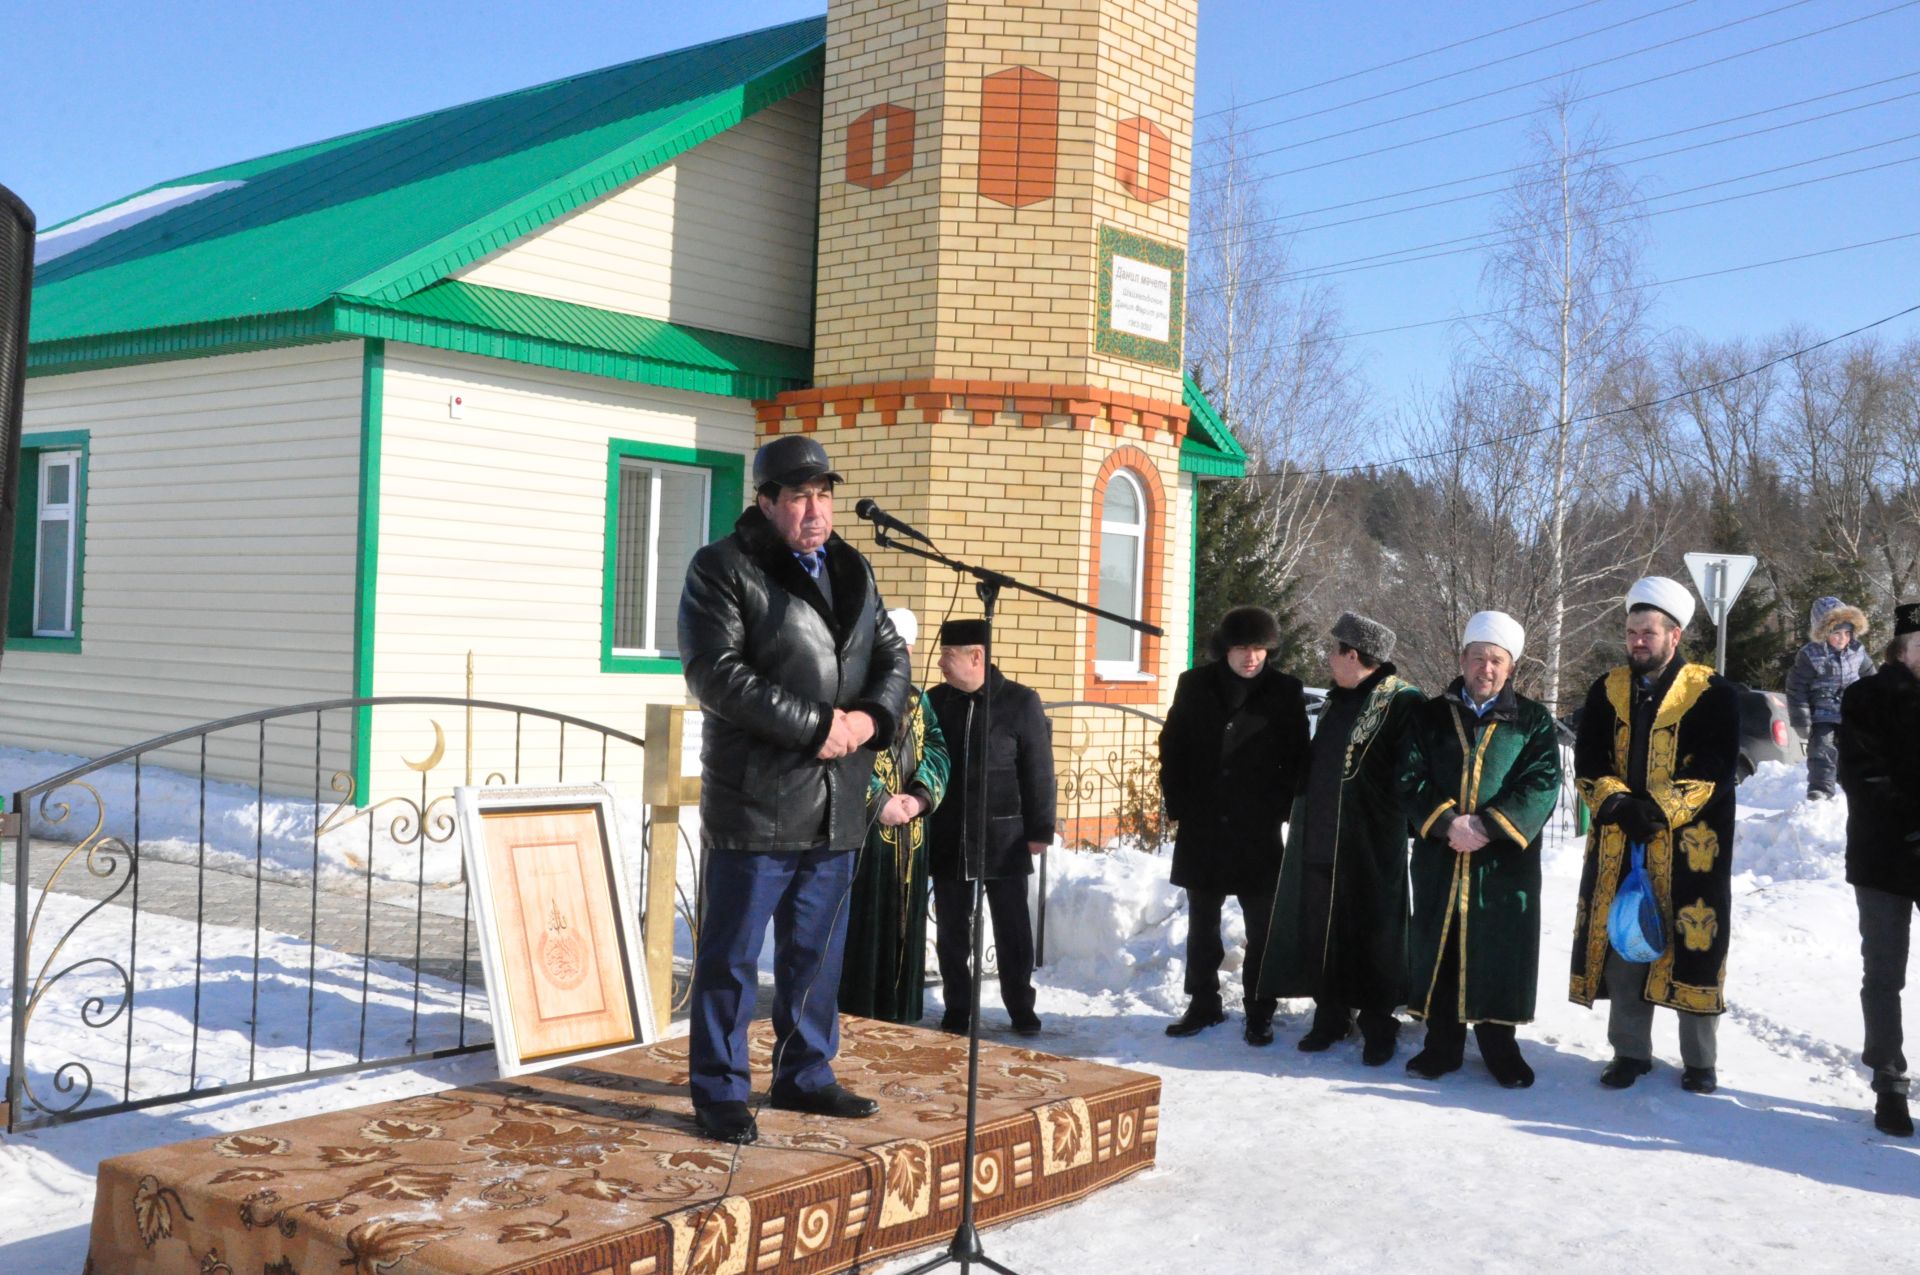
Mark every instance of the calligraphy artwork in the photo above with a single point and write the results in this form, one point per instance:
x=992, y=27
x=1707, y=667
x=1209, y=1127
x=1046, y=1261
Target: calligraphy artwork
x=565, y=979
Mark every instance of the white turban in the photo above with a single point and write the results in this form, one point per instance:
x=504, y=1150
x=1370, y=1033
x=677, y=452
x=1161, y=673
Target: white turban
x=1498, y=628
x=905, y=625
x=1668, y=595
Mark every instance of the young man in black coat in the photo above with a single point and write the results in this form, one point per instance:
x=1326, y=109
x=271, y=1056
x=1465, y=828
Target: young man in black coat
x=1016, y=765
x=1880, y=771
x=1231, y=756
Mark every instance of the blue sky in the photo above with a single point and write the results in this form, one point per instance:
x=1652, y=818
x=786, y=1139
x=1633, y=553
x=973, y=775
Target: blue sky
x=104, y=98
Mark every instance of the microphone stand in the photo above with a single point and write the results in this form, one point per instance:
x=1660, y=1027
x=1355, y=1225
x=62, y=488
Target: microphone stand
x=965, y=1246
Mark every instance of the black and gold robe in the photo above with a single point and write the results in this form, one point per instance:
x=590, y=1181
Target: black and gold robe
x=1485, y=905
x=883, y=973
x=1681, y=752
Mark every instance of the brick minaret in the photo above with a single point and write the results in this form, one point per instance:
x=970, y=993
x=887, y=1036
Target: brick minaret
x=1003, y=229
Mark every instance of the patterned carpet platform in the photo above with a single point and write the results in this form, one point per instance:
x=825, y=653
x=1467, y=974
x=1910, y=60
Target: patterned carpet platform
x=595, y=1169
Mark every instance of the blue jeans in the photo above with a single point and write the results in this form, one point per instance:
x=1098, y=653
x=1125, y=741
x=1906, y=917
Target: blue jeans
x=804, y=893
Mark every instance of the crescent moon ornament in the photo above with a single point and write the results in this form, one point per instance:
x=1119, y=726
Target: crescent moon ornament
x=433, y=759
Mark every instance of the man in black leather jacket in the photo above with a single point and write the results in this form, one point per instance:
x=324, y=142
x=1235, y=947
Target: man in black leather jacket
x=786, y=644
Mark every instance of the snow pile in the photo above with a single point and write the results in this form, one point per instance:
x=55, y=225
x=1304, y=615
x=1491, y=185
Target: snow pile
x=1784, y=837
x=1115, y=924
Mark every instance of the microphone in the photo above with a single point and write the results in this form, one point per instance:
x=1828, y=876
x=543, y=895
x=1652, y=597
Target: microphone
x=879, y=517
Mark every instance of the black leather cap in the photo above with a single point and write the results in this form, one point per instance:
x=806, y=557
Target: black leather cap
x=790, y=460
x=1906, y=618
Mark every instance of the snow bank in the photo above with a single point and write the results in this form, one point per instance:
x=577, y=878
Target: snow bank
x=1784, y=837
x=1116, y=924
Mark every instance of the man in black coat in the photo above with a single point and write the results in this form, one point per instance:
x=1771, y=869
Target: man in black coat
x=1880, y=771
x=1231, y=756
x=1016, y=765
x=787, y=646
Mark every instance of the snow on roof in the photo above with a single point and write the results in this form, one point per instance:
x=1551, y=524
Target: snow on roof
x=83, y=230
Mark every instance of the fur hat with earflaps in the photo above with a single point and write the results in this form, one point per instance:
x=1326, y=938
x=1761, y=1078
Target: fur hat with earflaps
x=1828, y=614
x=1245, y=626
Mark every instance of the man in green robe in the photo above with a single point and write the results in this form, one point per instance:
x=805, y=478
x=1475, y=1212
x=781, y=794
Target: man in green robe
x=884, y=972
x=1339, y=928
x=1655, y=761
x=1479, y=775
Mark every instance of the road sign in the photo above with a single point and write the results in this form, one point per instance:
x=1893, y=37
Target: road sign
x=1720, y=577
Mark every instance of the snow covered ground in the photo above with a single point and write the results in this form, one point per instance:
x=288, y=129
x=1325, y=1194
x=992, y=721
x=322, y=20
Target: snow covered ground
x=1272, y=1159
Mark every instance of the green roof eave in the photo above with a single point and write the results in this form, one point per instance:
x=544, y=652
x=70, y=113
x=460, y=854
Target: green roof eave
x=557, y=198
x=489, y=322
x=1209, y=449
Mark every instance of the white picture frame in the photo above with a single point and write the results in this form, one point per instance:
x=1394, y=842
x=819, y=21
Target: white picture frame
x=560, y=940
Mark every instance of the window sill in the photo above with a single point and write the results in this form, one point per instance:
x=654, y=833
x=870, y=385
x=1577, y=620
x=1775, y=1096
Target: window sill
x=615, y=662
x=70, y=645
x=1101, y=676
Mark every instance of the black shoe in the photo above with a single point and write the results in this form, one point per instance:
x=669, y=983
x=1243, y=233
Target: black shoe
x=1259, y=1030
x=1379, y=1048
x=1699, y=1080
x=727, y=1122
x=1431, y=1063
x=1200, y=1015
x=1890, y=1115
x=955, y=1024
x=1502, y=1056
x=1622, y=1072
x=1026, y=1023
x=828, y=1100
x=1324, y=1036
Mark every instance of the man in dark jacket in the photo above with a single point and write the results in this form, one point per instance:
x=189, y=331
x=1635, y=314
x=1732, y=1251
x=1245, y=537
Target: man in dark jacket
x=1880, y=771
x=1231, y=754
x=1833, y=659
x=788, y=648
x=1016, y=765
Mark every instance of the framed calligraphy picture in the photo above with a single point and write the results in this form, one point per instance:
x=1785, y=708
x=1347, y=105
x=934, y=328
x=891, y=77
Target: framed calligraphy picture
x=559, y=937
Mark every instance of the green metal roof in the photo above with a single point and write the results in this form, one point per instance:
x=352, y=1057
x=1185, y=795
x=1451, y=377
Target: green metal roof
x=1209, y=450
x=381, y=214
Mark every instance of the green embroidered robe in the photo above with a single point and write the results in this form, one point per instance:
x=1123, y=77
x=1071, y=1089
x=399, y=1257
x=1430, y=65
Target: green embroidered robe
x=1353, y=953
x=1682, y=756
x=1504, y=767
x=884, y=971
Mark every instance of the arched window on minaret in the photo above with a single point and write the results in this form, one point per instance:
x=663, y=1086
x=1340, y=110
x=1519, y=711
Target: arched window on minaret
x=1123, y=561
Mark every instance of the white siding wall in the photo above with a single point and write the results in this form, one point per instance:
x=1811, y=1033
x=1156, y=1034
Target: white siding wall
x=1179, y=620
x=221, y=524
x=492, y=534
x=721, y=238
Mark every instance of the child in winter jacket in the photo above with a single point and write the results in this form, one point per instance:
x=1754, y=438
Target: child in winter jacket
x=1833, y=659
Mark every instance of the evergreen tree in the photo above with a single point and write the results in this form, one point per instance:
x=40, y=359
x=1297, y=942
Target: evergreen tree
x=1235, y=569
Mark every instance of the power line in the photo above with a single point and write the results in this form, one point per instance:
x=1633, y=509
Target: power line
x=1480, y=241
x=1483, y=239
x=1463, y=448
x=1607, y=292
x=1219, y=232
x=1411, y=57
x=1538, y=80
x=1469, y=70
x=1584, y=97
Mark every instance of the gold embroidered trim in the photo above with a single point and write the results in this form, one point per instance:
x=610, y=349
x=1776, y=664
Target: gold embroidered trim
x=1507, y=825
x=1437, y=812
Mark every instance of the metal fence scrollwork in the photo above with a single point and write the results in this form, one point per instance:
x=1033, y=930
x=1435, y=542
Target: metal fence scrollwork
x=237, y=913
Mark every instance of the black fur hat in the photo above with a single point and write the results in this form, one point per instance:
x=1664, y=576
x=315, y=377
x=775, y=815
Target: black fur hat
x=1906, y=618
x=1245, y=626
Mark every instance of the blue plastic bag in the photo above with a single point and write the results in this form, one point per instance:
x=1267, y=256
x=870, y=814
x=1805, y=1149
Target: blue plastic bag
x=1633, y=922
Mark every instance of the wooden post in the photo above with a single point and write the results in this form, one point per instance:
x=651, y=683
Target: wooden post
x=667, y=790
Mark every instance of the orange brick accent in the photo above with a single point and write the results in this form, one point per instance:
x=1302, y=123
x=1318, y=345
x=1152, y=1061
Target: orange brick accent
x=978, y=402
x=1152, y=181
x=1019, y=136
x=1159, y=528
x=895, y=149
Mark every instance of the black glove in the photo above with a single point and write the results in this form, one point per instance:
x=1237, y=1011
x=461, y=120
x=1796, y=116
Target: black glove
x=1638, y=817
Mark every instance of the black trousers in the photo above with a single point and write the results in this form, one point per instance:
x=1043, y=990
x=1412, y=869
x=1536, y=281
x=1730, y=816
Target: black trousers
x=1446, y=1034
x=1012, y=941
x=1206, y=952
x=1885, y=922
x=1330, y=1011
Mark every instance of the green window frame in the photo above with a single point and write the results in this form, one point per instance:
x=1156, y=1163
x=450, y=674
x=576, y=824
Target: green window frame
x=726, y=492
x=24, y=587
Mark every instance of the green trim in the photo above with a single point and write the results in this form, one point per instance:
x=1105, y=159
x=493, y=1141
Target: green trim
x=26, y=535
x=726, y=496
x=373, y=377
x=556, y=199
x=189, y=341
x=1209, y=449
x=1116, y=242
x=490, y=322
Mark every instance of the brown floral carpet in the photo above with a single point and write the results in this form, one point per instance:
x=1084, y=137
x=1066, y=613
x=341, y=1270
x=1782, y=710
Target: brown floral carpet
x=596, y=1169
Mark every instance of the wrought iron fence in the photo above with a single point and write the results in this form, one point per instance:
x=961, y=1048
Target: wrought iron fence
x=186, y=924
